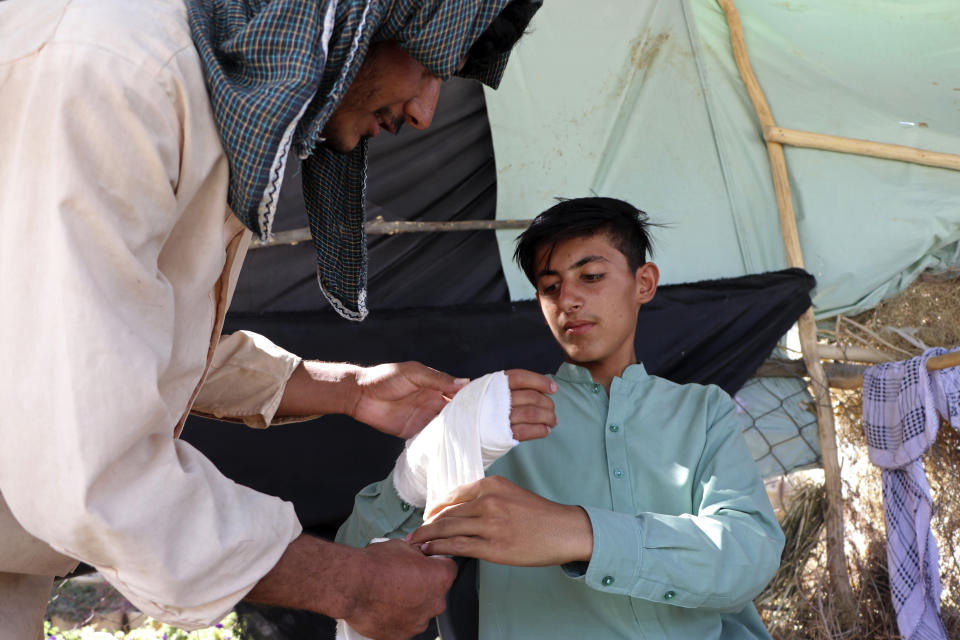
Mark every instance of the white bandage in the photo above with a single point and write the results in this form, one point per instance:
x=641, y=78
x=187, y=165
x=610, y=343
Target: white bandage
x=469, y=435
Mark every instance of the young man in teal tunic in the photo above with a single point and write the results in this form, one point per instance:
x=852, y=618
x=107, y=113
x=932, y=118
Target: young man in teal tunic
x=642, y=515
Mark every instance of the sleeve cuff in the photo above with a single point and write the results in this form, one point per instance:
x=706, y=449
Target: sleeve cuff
x=618, y=561
x=246, y=381
x=379, y=512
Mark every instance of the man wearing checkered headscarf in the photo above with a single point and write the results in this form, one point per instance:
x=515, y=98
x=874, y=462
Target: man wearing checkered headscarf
x=143, y=144
x=261, y=108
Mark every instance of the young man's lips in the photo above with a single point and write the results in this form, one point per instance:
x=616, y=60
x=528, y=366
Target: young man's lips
x=576, y=328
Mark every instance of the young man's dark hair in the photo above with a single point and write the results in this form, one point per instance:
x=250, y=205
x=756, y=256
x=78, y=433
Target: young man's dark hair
x=624, y=224
x=500, y=37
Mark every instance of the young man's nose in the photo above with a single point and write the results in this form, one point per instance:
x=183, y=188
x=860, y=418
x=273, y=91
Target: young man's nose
x=569, y=298
x=418, y=111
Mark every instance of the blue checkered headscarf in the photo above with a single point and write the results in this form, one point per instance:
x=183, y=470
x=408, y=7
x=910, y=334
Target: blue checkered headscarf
x=277, y=69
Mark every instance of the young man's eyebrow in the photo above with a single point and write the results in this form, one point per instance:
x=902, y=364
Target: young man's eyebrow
x=576, y=265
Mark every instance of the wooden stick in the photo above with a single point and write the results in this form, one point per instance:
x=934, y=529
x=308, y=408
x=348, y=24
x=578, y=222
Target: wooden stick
x=843, y=374
x=840, y=375
x=854, y=354
x=390, y=227
x=827, y=142
x=845, y=320
x=836, y=561
x=945, y=361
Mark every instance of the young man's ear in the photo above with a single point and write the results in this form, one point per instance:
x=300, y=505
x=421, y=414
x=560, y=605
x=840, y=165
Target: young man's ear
x=647, y=277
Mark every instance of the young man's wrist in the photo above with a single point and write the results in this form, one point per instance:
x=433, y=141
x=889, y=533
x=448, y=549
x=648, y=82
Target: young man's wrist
x=581, y=544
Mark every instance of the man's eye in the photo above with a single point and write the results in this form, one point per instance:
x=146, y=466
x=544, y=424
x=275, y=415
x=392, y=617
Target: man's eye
x=593, y=276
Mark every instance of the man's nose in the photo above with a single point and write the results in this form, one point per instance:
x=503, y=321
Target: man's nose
x=418, y=111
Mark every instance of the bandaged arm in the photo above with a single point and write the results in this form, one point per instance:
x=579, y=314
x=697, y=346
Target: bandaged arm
x=467, y=437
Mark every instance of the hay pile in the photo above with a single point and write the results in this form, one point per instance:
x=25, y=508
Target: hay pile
x=797, y=603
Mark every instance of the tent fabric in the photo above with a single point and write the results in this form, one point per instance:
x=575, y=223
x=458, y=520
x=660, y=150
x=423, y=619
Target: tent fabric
x=709, y=332
x=649, y=107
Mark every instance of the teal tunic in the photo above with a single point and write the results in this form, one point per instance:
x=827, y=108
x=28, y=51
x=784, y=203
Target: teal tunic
x=683, y=533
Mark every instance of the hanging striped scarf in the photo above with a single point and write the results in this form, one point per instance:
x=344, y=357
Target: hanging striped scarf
x=277, y=69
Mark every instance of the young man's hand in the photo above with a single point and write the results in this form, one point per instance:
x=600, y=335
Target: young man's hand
x=531, y=410
x=495, y=520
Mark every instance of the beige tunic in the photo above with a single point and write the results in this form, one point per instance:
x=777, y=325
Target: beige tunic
x=118, y=258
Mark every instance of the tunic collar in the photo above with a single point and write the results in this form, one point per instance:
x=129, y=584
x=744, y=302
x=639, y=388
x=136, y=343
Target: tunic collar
x=576, y=374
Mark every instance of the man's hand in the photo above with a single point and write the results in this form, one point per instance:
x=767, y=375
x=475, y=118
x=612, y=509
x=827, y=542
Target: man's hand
x=531, y=410
x=400, y=399
x=387, y=591
x=405, y=591
x=497, y=521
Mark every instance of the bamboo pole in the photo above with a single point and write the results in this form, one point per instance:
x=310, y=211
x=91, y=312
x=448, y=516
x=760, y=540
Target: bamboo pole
x=391, y=227
x=836, y=561
x=826, y=142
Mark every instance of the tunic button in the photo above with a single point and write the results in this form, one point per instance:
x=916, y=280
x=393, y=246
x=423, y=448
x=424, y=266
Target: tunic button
x=596, y=388
x=607, y=581
x=614, y=428
x=405, y=507
x=669, y=595
x=618, y=473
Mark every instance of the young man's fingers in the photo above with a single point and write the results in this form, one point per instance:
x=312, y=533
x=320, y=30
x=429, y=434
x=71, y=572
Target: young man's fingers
x=528, y=414
x=462, y=546
x=529, y=397
x=524, y=432
x=456, y=522
x=524, y=379
x=459, y=496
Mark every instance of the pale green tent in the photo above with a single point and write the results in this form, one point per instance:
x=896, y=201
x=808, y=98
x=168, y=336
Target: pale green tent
x=641, y=99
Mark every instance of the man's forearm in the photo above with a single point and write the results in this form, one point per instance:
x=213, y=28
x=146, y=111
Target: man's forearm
x=387, y=590
x=313, y=575
x=319, y=388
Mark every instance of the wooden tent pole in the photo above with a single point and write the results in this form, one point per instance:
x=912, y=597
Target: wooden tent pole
x=826, y=142
x=836, y=562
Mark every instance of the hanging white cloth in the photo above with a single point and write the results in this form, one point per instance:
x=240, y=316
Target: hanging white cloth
x=469, y=435
x=902, y=402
